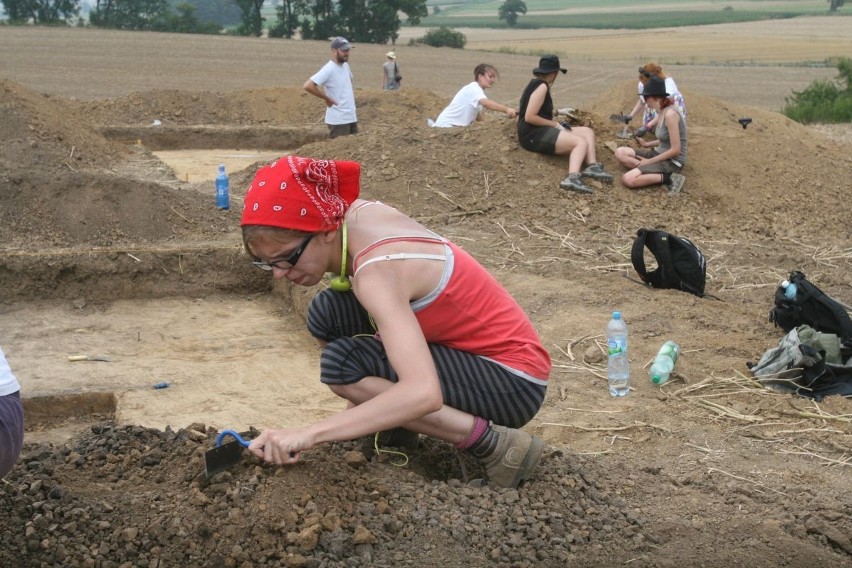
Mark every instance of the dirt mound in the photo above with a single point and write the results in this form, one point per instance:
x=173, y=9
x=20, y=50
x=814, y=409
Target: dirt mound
x=711, y=469
x=296, y=520
x=43, y=132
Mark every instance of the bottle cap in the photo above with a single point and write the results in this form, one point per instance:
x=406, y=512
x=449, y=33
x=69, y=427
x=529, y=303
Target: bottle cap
x=616, y=315
x=221, y=168
x=656, y=379
x=785, y=283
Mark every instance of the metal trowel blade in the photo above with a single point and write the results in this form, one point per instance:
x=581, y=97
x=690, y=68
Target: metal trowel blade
x=625, y=133
x=221, y=458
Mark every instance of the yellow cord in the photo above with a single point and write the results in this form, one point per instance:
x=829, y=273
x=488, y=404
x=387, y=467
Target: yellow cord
x=380, y=451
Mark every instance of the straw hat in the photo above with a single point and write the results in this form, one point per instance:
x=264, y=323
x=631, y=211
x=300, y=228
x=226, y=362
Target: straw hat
x=390, y=55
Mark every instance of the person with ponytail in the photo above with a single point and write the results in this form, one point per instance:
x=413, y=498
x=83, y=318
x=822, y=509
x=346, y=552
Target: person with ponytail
x=419, y=339
x=649, y=115
x=663, y=163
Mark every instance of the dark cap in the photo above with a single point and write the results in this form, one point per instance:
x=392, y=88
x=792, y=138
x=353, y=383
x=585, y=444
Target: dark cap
x=655, y=87
x=548, y=64
x=341, y=43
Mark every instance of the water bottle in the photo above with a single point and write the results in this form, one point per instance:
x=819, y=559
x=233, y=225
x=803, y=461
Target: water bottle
x=664, y=362
x=618, y=366
x=789, y=289
x=222, y=197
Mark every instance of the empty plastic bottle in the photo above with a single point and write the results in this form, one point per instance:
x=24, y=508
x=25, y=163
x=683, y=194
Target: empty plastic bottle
x=664, y=362
x=222, y=197
x=618, y=365
x=789, y=289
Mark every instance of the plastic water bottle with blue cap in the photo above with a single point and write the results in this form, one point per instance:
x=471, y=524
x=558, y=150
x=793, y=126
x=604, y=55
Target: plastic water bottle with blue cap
x=618, y=365
x=222, y=195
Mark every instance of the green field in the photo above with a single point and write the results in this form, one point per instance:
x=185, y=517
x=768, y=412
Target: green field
x=627, y=14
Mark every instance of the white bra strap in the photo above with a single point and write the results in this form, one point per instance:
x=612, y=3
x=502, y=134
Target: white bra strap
x=401, y=256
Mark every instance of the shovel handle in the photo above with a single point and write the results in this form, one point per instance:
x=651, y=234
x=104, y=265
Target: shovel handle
x=234, y=435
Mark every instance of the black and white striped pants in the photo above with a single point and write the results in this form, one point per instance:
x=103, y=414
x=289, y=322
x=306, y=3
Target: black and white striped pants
x=469, y=383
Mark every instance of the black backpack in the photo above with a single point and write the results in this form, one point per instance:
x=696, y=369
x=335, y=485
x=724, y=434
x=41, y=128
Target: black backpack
x=811, y=307
x=679, y=262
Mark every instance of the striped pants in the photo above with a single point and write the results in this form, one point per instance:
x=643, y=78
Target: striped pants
x=469, y=383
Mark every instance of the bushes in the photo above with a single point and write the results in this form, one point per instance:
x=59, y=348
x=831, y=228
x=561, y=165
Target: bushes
x=824, y=101
x=443, y=37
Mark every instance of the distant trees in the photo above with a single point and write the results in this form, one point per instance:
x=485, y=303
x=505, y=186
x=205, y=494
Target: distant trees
x=128, y=14
x=835, y=4
x=252, y=20
x=824, y=101
x=510, y=10
x=152, y=15
x=41, y=11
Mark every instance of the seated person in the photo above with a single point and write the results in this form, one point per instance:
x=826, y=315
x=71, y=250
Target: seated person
x=539, y=132
x=662, y=164
x=11, y=418
x=468, y=103
x=649, y=115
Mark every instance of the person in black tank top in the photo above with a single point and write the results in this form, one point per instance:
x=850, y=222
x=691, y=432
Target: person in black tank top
x=539, y=132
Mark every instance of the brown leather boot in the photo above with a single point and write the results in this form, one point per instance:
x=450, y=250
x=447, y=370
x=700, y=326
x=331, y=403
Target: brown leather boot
x=515, y=457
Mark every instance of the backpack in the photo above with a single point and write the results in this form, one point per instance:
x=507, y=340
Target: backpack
x=801, y=365
x=811, y=307
x=679, y=262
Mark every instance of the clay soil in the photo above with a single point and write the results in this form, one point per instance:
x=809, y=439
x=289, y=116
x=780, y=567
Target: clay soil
x=105, y=248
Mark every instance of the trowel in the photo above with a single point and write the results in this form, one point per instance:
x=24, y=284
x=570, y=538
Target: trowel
x=625, y=132
x=224, y=456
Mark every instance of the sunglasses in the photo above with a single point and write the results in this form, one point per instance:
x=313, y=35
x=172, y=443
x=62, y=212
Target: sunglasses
x=288, y=262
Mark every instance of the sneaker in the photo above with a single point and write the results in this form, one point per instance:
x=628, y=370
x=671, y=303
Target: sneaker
x=574, y=182
x=515, y=457
x=596, y=171
x=676, y=184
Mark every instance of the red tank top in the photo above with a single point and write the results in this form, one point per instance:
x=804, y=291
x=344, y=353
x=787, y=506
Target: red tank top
x=476, y=314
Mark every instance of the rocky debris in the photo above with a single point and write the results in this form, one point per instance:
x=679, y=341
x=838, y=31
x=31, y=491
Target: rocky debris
x=131, y=496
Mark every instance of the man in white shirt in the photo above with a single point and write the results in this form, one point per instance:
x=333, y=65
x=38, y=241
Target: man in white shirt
x=468, y=103
x=11, y=418
x=333, y=84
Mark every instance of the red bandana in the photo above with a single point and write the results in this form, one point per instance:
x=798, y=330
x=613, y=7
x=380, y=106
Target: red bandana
x=302, y=194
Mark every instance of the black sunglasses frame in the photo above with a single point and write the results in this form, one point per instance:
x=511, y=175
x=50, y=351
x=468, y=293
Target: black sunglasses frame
x=290, y=261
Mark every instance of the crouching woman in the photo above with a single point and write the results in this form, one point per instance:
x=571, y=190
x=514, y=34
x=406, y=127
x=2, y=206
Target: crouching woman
x=420, y=340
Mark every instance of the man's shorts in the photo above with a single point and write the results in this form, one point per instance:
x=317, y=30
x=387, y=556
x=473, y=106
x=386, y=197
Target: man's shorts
x=664, y=167
x=542, y=140
x=11, y=431
x=336, y=130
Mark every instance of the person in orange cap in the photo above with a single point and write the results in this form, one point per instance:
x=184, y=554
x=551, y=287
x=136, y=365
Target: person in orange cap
x=421, y=339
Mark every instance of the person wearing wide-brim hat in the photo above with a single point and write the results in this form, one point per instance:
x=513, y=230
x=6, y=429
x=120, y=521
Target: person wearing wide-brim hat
x=538, y=131
x=420, y=339
x=664, y=161
x=649, y=115
x=390, y=73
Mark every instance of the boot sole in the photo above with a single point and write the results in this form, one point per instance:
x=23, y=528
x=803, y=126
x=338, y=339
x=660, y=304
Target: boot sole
x=599, y=177
x=530, y=462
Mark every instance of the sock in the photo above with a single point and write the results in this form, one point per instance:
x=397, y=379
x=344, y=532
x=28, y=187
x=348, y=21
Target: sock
x=667, y=177
x=485, y=444
x=480, y=429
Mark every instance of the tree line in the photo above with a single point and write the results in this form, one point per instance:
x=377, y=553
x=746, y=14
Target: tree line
x=366, y=21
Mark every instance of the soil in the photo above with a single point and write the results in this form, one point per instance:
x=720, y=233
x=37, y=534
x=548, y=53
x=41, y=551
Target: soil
x=106, y=251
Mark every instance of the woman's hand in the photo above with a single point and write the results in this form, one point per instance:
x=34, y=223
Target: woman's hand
x=281, y=446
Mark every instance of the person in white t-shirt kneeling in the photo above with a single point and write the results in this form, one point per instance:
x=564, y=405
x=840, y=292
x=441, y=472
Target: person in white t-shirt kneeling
x=468, y=103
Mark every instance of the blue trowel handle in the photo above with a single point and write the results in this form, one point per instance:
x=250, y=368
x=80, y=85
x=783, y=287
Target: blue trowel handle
x=234, y=435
